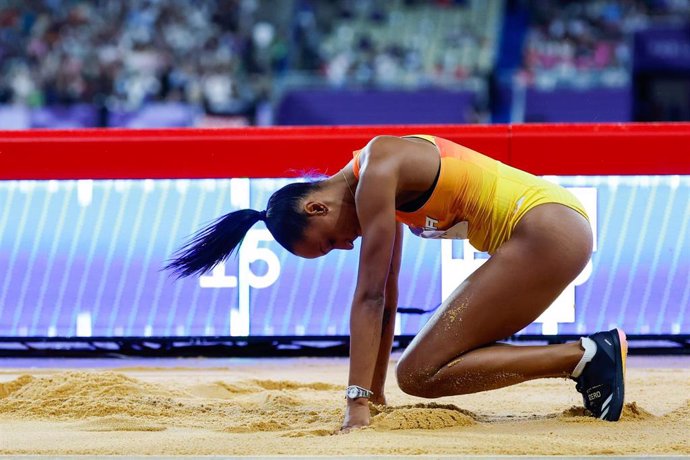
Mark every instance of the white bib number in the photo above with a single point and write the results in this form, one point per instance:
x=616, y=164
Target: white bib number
x=456, y=232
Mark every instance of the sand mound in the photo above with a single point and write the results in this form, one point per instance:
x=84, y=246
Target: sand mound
x=120, y=423
x=576, y=412
x=86, y=394
x=429, y=416
x=225, y=390
x=259, y=425
x=682, y=413
x=418, y=418
x=10, y=387
x=105, y=384
x=278, y=415
x=308, y=433
x=126, y=404
x=290, y=385
x=631, y=412
x=215, y=390
x=281, y=400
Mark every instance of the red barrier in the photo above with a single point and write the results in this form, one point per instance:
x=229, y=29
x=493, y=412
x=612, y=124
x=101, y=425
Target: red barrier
x=564, y=149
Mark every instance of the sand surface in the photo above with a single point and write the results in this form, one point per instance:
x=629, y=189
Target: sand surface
x=293, y=407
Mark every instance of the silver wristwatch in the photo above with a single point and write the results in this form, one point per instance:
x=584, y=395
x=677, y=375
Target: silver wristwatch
x=354, y=392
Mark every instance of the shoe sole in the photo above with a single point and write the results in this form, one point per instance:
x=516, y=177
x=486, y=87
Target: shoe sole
x=621, y=344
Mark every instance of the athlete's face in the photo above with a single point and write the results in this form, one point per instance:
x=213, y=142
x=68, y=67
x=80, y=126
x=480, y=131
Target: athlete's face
x=328, y=228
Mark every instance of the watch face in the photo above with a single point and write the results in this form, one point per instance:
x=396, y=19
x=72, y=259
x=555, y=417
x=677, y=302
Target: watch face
x=352, y=393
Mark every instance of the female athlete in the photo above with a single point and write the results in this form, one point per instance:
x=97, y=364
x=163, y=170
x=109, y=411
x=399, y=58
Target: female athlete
x=538, y=236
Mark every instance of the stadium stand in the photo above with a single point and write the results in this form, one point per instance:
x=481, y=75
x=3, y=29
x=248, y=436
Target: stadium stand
x=136, y=63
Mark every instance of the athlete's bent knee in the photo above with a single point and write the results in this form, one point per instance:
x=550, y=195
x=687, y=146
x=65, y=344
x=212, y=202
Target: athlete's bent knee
x=415, y=380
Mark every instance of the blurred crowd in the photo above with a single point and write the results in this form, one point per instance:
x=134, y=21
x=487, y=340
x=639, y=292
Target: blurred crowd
x=229, y=55
x=405, y=42
x=127, y=52
x=589, y=42
x=222, y=54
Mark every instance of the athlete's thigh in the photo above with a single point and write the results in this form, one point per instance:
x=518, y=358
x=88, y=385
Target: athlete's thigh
x=548, y=249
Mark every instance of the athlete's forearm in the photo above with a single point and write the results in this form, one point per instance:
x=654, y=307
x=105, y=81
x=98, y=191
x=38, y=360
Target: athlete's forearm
x=366, y=318
x=388, y=321
x=387, y=332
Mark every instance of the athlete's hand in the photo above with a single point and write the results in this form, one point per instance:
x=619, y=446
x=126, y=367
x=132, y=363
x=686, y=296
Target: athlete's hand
x=356, y=415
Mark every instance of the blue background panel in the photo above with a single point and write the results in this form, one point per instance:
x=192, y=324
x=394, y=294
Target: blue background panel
x=85, y=258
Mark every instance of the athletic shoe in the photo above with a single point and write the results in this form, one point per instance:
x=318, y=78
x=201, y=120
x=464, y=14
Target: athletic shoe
x=602, y=380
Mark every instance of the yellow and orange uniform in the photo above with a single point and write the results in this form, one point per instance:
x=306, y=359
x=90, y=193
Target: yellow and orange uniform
x=477, y=197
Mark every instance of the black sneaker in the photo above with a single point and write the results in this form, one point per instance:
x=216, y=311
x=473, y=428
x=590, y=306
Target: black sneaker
x=602, y=380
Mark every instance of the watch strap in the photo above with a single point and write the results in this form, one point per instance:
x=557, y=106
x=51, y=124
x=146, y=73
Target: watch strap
x=355, y=391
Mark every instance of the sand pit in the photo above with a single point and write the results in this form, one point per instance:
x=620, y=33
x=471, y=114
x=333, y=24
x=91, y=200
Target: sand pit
x=293, y=407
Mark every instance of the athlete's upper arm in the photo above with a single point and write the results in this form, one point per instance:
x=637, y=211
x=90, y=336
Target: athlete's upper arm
x=376, y=212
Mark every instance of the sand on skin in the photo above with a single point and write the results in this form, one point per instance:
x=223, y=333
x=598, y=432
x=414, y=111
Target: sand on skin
x=293, y=407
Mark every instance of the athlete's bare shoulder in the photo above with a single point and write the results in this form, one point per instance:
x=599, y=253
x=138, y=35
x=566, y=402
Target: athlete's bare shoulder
x=413, y=161
x=394, y=151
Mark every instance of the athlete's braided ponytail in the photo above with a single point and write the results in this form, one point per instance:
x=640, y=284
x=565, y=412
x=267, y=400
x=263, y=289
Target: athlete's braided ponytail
x=213, y=243
x=217, y=241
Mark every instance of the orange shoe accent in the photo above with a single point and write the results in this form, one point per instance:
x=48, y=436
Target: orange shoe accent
x=624, y=347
